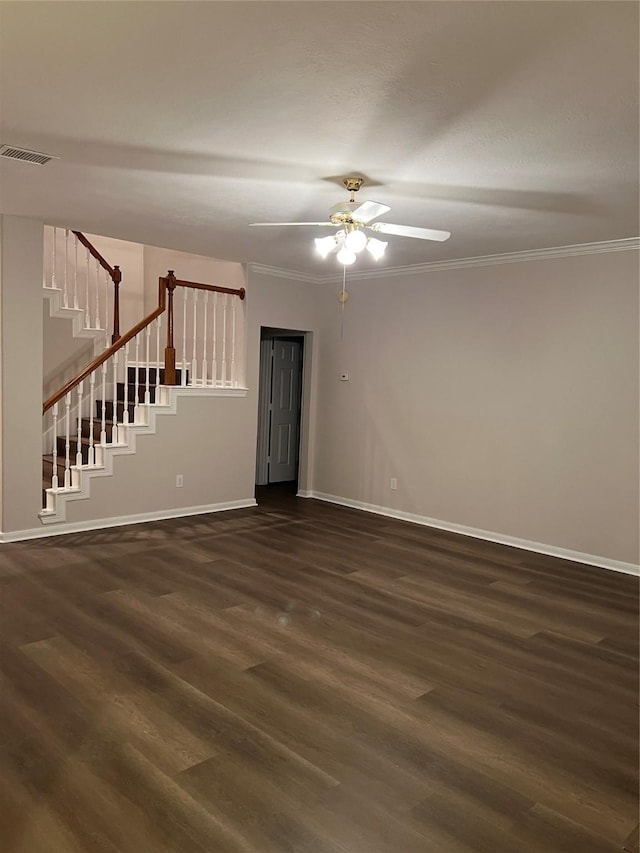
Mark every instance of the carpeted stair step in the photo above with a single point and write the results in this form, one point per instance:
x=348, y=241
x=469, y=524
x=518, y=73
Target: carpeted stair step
x=153, y=375
x=85, y=427
x=108, y=409
x=73, y=449
x=131, y=392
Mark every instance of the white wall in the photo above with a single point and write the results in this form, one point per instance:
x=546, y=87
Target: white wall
x=503, y=398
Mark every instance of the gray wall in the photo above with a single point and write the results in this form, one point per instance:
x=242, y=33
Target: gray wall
x=206, y=442
x=212, y=441
x=21, y=371
x=503, y=398
x=63, y=356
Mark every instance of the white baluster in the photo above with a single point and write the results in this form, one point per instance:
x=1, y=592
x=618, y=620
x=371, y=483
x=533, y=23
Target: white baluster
x=224, y=339
x=103, y=419
x=185, y=302
x=79, y=432
x=75, y=271
x=67, y=441
x=194, y=363
x=158, y=357
x=44, y=256
x=54, y=475
x=114, y=429
x=136, y=380
x=234, y=382
x=147, y=393
x=214, y=363
x=91, y=456
x=87, y=310
x=53, y=260
x=204, y=339
x=97, y=295
x=66, y=267
x=107, y=279
x=45, y=249
x=125, y=413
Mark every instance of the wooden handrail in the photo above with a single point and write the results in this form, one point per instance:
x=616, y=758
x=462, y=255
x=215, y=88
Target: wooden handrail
x=100, y=359
x=96, y=254
x=211, y=287
x=116, y=277
x=166, y=285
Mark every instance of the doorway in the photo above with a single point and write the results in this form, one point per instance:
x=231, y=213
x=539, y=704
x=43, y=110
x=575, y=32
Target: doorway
x=280, y=406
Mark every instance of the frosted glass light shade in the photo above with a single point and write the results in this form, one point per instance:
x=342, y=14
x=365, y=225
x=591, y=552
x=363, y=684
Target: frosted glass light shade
x=376, y=248
x=324, y=245
x=346, y=257
x=356, y=241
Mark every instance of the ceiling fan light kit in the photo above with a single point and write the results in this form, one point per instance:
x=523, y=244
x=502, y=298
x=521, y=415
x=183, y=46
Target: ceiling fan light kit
x=352, y=219
x=346, y=257
x=376, y=248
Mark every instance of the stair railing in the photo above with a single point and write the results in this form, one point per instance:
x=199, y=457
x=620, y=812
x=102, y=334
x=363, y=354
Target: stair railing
x=76, y=268
x=94, y=410
x=204, y=336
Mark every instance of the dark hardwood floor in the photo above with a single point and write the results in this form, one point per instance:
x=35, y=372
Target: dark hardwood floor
x=304, y=678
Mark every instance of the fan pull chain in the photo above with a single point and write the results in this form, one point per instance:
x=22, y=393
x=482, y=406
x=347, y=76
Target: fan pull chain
x=342, y=300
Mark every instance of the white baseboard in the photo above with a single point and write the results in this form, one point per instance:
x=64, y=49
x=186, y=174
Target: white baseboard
x=487, y=535
x=121, y=521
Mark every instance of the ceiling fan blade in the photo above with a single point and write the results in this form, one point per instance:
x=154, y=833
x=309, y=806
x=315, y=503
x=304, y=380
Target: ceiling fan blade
x=263, y=224
x=411, y=231
x=369, y=210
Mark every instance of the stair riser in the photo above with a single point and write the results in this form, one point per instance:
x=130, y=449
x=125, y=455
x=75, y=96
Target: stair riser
x=131, y=393
x=109, y=412
x=73, y=448
x=97, y=427
x=142, y=375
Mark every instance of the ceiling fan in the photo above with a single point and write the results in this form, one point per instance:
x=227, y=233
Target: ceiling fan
x=354, y=219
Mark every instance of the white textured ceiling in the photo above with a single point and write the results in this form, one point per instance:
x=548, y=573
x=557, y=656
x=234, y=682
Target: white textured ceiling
x=512, y=124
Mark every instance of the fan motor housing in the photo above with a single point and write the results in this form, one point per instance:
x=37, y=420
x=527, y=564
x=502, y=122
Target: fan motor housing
x=342, y=212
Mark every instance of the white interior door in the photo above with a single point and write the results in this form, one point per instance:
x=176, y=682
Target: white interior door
x=286, y=377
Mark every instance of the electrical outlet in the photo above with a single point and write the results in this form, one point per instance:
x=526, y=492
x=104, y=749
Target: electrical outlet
x=394, y=483
x=179, y=481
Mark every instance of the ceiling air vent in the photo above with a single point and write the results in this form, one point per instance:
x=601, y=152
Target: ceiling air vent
x=25, y=155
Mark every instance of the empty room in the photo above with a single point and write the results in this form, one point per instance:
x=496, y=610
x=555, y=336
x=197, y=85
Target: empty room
x=319, y=426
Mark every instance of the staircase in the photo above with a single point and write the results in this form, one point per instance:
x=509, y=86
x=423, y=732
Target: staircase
x=97, y=414
x=90, y=427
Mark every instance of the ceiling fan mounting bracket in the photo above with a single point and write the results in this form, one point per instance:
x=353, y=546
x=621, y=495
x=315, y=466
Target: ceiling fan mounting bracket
x=353, y=184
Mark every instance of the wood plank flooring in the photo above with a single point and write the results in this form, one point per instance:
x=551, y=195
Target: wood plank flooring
x=304, y=678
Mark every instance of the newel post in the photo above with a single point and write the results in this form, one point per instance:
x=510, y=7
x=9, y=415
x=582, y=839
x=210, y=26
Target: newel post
x=116, y=278
x=169, y=351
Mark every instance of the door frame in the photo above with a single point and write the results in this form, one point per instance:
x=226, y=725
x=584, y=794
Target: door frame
x=267, y=335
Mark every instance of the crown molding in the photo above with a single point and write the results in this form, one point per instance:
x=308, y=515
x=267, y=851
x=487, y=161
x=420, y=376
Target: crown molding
x=280, y=272
x=603, y=247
